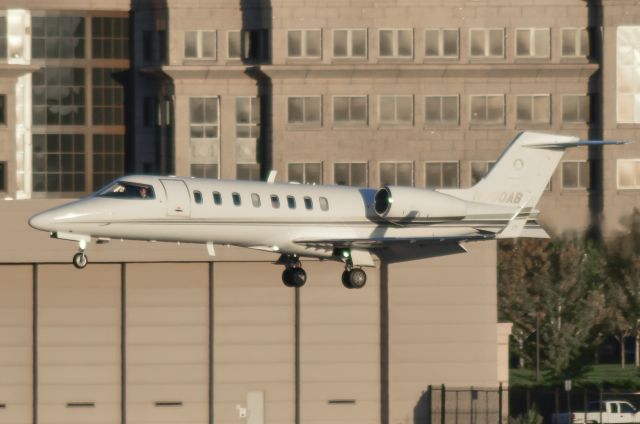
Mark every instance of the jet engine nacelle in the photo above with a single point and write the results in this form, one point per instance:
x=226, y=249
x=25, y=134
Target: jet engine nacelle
x=398, y=204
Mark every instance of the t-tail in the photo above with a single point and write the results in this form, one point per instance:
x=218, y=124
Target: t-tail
x=519, y=177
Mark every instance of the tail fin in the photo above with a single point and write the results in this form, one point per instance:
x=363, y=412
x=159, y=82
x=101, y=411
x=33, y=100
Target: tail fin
x=522, y=172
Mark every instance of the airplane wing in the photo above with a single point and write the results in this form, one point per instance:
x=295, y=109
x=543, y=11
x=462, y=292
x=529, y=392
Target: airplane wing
x=397, y=249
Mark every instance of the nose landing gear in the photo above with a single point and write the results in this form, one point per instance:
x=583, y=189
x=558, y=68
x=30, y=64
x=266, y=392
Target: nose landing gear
x=80, y=259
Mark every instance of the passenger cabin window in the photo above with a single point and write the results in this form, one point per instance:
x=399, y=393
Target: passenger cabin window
x=291, y=201
x=197, y=196
x=275, y=201
x=125, y=190
x=324, y=204
x=236, y=199
x=217, y=198
x=255, y=199
x=614, y=408
x=308, y=203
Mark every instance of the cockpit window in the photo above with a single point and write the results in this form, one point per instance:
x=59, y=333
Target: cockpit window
x=125, y=190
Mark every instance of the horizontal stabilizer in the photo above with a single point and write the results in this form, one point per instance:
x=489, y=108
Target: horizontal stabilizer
x=513, y=229
x=535, y=233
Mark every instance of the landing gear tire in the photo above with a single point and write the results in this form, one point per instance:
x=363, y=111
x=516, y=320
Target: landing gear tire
x=354, y=278
x=80, y=260
x=294, y=277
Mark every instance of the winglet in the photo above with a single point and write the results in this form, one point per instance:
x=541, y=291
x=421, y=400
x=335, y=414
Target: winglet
x=272, y=176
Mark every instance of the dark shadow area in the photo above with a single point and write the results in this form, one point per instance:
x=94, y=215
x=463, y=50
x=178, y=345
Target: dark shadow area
x=422, y=410
x=596, y=130
x=256, y=42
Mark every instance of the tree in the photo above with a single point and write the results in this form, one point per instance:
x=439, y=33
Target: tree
x=623, y=285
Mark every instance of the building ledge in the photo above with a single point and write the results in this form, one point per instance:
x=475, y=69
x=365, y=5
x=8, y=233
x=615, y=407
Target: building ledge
x=446, y=70
x=16, y=71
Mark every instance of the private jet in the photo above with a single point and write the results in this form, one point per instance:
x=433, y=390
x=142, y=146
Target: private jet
x=341, y=223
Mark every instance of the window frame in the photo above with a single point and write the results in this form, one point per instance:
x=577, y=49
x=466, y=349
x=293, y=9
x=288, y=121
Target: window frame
x=441, y=163
x=350, y=123
x=303, y=44
x=532, y=43
x=577, y=162
x=586, y=97
x=350, y=166
x=304, y=107
x=579, y=48
x=395, y=45
x=441, y=54
x=304, y=171
x=486, y=122
x=442, y=122
x=532, y=105
x=396, y=123
x=200, y=45
x=349, y=55
x=487, y=43
x=635, y=161
x=396, y=163
x=489, y=164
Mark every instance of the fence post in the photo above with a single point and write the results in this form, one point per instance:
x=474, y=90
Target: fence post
x=500, y=404
x=557, y=400
x=429, y=408
x=585, y=401
x=600, y=403
x=443, y=405
x=471, y=393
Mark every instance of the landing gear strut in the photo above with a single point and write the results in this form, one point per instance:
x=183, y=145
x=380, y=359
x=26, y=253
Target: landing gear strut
x=353, y=278
x=293, y=274
x=80, y=258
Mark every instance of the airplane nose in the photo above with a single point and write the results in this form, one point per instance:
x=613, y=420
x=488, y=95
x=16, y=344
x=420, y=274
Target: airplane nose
x=42, y=221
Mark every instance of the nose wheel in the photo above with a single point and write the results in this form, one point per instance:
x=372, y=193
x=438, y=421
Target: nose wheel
x=80, y=260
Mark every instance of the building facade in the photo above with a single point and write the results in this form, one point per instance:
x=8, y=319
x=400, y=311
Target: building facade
x=367, y=93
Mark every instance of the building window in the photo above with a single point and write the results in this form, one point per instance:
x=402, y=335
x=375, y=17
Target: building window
x=441, y=110
x=350, y=43
x=3, y=176
x=55, y=37
x=108, y=97
x=110, y=38
x=204, y=136
x=441, y=42
x=247, y=117
x=486, y=42
x=479, y=169
x=487, y=109
x=575, y=108
x=533, y=42
x=575, y=175
x=396, y=43
x=628, y=174
x=58, y=96
x=200, y=45
x=442, y=175
x=304, y=43
x=305, y=173
x=350, y=110
x=58, y=163
x=248, y=171
x=351, y=174
x=628, y=75
x=248, y=45
x=534, y=109
x=396, y=173
x=108, y=158
x=203, y=112
x=396, y=110
x=3, y=38
x=204, y=170
x=575, y=42
x=304, y=110
x=3, y=109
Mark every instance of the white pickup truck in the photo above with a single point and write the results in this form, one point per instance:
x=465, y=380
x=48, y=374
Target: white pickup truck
x=605, y=412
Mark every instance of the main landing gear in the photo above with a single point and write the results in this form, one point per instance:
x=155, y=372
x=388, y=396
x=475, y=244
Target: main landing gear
x=293, y=274
x=353, y=278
